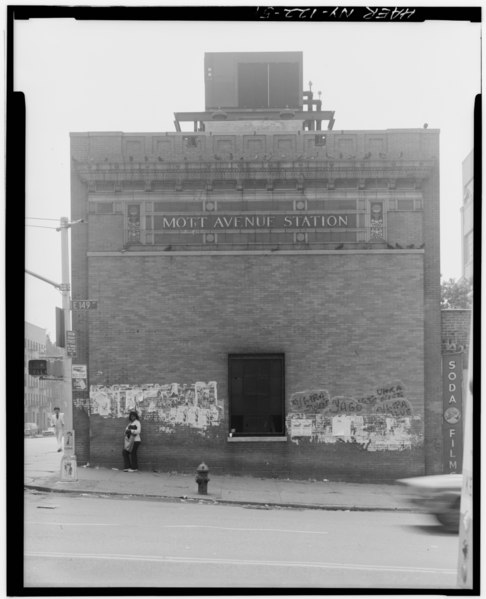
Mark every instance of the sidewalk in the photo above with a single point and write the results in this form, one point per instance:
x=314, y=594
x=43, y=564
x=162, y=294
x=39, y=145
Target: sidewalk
x=243, y=490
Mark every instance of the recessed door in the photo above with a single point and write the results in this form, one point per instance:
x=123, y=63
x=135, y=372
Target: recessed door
x=256, y=384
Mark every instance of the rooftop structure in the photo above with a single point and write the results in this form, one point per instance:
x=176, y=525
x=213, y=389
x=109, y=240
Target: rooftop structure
x=243, y=88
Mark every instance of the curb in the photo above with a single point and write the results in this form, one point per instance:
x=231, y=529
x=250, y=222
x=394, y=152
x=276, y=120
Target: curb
x=253, y=504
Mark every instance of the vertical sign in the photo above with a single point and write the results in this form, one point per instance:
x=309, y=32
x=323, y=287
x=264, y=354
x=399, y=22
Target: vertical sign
x=452, y=426
x=71, y=344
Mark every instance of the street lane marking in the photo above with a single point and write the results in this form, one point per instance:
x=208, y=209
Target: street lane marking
x=307, y=532
x=239, y=562
x=71, y=523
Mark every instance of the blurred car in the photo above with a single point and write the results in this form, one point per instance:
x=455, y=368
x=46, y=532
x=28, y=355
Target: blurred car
x=439, y=495
x=49, y=432
x=31, y=429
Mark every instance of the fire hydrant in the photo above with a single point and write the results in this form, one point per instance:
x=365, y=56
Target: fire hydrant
x=202, y=479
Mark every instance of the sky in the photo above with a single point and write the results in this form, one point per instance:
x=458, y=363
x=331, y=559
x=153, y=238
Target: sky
x=132, y=76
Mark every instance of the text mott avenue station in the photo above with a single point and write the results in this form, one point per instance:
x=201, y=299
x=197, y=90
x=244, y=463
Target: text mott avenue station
x=261, y=221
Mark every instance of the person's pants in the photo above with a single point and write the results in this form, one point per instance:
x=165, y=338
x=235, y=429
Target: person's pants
x=59, y=436
x=130, y=457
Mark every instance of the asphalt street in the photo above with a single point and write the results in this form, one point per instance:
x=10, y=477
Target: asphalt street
x=76, y=541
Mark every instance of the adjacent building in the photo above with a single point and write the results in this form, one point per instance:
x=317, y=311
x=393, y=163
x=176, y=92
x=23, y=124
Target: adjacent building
x=467, y=216
x=456, y=331
x=40, y=395
x=267, y=287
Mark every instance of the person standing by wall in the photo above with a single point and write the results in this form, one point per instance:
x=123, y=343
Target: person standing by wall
x=132, y=442
x=58, y=423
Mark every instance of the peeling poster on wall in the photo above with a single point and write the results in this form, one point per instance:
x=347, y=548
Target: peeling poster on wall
x=195, y=405
x=341, y=426
x=381, y=420
x=301, y=427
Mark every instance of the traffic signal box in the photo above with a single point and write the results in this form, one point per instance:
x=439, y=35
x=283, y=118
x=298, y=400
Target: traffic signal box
x=60, y=330
x=47, y=368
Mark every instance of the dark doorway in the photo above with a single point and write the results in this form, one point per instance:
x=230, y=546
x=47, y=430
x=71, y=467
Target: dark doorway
x=257, y=394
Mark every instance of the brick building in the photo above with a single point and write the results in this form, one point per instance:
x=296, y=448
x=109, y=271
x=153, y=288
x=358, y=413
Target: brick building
x=268, y=288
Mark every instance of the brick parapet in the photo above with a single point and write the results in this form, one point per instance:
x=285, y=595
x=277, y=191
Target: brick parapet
x=393, y=144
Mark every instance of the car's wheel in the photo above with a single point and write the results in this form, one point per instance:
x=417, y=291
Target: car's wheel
x=450, y=519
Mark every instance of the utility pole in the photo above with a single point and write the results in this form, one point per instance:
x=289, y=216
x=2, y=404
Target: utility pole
x=66, y=307
x=68, y=462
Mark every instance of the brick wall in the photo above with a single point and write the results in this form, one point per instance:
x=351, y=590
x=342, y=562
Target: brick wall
x=455, y=332
x=340, y=321
x=105, y=232
x=405, y=228
x=334, y=309
x=166, y=453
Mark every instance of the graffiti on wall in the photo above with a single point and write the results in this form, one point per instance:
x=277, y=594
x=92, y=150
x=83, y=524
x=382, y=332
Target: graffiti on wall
x=377, y=421
x=195, y=405
x=453, y=346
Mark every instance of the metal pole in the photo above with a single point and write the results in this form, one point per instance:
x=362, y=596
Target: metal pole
x=53, y=283
x=65, y=289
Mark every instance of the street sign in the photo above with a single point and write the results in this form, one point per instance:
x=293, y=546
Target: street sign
x=84, y=304
x=79, y=376
x=71, y=343
x=80, y=371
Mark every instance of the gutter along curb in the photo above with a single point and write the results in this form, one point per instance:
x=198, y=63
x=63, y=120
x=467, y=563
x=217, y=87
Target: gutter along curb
x=206, y=500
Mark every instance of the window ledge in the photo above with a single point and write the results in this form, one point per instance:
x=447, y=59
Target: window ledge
x=261, y=439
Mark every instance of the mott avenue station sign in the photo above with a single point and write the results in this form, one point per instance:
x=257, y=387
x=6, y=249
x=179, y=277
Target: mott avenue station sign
x=214, y=222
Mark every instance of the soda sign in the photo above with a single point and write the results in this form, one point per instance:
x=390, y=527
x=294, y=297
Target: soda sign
x=452, y=412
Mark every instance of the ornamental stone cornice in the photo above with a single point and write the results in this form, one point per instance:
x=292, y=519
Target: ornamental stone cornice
x=302, y=170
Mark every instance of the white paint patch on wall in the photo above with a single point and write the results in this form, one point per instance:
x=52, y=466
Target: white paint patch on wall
x=373, y=433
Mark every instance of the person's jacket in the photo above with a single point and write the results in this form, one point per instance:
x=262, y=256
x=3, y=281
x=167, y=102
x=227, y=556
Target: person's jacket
x=135, y=429
x=57, y=422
